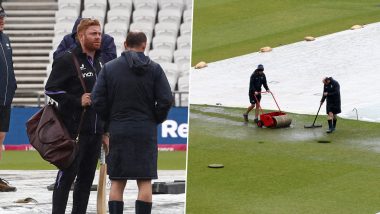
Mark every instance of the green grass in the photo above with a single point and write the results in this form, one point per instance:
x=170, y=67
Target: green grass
x=31, y=160
x=228, y=28
x=271, y=171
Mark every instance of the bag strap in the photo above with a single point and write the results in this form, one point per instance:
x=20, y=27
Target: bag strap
x=79, y=72
x=84, y=89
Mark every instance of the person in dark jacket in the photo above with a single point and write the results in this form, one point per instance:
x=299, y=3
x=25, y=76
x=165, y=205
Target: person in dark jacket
x=331, y=93
x=107, y=47
x=64, y=86
x=257, y=80
x=8, y=88
x=133, y=96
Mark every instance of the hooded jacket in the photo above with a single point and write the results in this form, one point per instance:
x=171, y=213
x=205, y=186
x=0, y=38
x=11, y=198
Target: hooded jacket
x=133, y=91
x=64, y=86
x=8, y=83
x=108, y=48
x=333, y=94
x=256, y=81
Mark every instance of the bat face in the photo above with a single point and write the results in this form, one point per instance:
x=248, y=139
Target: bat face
x=101, y=205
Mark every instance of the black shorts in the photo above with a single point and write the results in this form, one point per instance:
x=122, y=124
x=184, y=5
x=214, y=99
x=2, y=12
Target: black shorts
x=252, y=98
x=5, y=115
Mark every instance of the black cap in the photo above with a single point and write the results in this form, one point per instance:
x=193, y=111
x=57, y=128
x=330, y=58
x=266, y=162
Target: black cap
x=2, y=12
x=260, y=67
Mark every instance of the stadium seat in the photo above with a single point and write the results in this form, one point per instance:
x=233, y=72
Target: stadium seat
x=170, y=15
x=116, y=29
x=187, y=15
x=166, y=29
x=119, y=43
x=125, y=5
x=162, y=55
x=188, y=4
x=143, y=27
x=61, y=29
x=146, y=16
x=146, y=52
x=182, y=56
x=171, y=4
x=66, y=15
x=185, y=28
x=69, y=5
x=183, y=82
x=119, y=16
x=94, y=14
x=56, y=41
x=184, y=42
x=95, y=4
x=145, y=4
x=184, y=68
x=183, y=85
x=171, y=72
x=164, y=42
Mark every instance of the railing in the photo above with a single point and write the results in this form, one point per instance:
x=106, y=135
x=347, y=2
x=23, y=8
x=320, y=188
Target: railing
x=178, y=98
x=41, y=98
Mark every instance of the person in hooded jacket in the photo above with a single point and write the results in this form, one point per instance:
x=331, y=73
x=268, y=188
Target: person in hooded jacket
x=107, y=48
x=331, y=93
x=257, y=80
x=133, y=96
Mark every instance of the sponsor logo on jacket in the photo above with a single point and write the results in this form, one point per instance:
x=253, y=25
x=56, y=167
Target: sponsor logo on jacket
x=82, y=67
x=88, y=74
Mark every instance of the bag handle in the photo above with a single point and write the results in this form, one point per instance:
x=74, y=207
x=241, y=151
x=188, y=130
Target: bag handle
x=84, y=89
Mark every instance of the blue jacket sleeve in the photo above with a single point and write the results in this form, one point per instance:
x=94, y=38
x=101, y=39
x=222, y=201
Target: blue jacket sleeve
x=251, y=84
x=163, y=96
x=99, y=96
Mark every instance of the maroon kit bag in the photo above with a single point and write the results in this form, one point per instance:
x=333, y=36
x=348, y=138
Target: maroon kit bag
x=49, y=136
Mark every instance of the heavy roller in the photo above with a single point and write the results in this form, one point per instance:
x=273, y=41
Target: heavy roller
x=276, y=119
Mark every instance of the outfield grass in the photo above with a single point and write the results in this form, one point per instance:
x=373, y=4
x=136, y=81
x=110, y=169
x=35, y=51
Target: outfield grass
x=228, y=28
x=30, y=160
x=270, y=171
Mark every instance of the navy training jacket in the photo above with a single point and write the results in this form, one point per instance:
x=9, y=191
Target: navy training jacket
x=8, y=83
x=64, y=86
x=256, y=81
x=132, y=91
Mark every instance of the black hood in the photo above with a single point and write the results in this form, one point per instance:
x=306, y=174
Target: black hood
x=137, y=61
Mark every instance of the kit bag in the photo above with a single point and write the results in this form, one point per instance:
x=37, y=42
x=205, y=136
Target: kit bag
x=49, y=136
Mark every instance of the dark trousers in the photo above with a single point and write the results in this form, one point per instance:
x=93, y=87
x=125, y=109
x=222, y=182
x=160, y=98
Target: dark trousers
x=83, y=168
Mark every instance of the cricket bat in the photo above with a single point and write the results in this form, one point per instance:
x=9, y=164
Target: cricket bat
x=101, y=205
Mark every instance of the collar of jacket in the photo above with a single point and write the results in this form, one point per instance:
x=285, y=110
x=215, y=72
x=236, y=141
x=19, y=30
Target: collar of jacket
x=79, y=52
